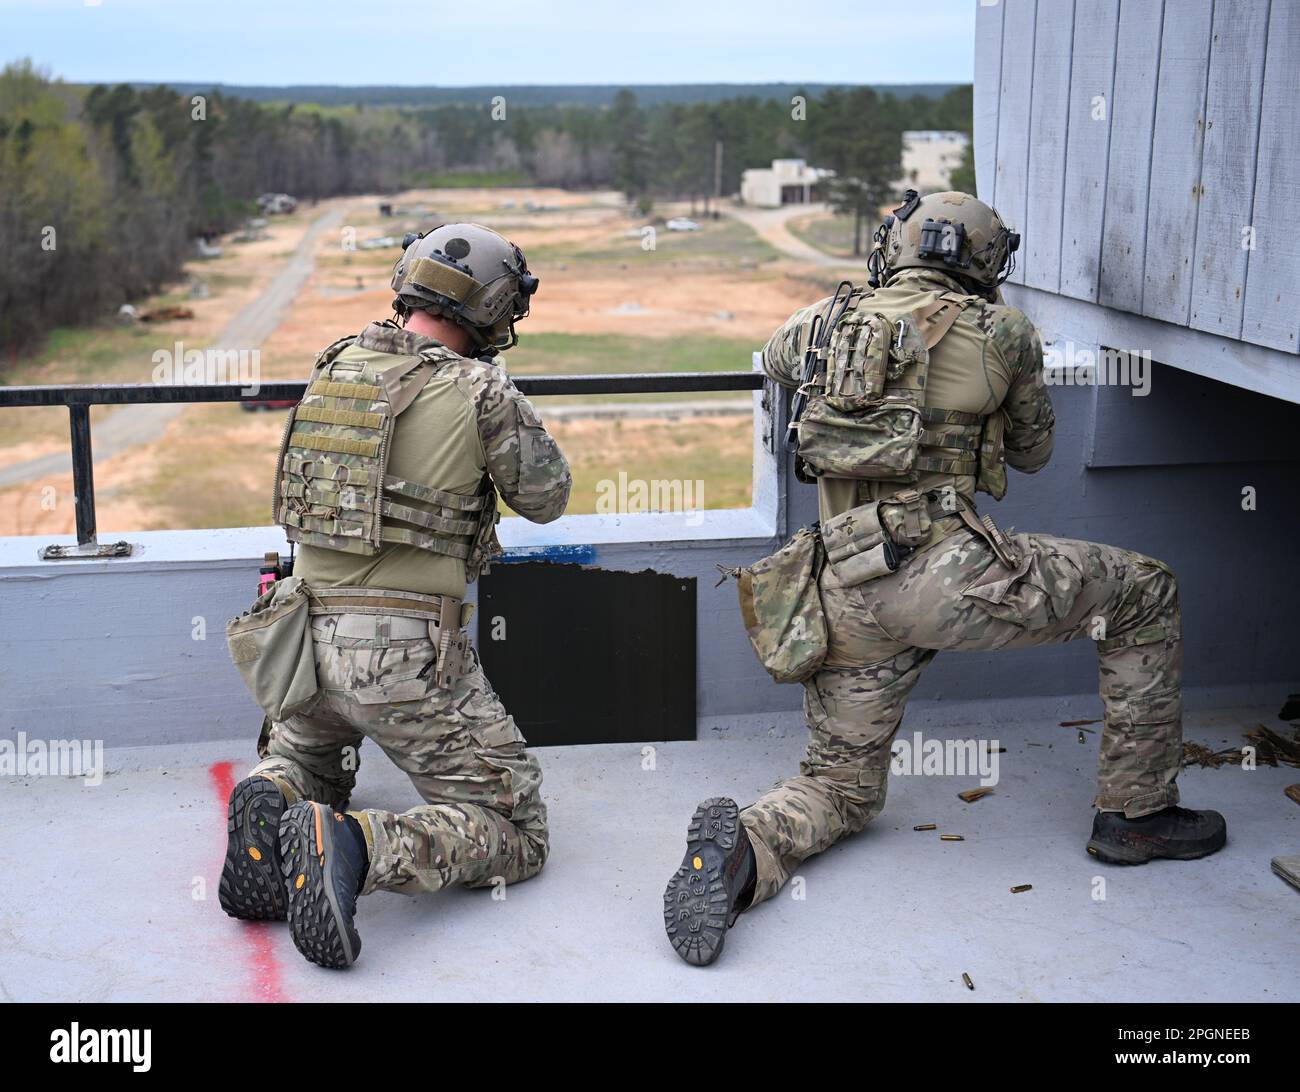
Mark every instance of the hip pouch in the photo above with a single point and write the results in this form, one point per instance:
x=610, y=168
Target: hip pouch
x=271, y=645
x=782, y=608
x=872, y=540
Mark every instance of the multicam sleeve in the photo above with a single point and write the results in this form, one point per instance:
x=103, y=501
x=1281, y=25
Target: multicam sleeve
x=1031, y=423
x=525, y=462
x=783, y=353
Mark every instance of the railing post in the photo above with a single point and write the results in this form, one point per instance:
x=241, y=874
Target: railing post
x=83, y=473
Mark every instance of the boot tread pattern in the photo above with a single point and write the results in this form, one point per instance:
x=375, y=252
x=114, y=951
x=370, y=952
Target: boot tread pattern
x=696, y=914
x=318, y=930
x=251, y=886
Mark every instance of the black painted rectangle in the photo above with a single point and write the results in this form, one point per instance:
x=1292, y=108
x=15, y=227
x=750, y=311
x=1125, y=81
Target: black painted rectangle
x=589, y=655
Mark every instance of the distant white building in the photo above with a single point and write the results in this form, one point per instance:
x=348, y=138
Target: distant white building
x=786, y=182
x=929, y=158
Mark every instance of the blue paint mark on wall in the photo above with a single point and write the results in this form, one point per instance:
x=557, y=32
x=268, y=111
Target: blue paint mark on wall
x=560, y=555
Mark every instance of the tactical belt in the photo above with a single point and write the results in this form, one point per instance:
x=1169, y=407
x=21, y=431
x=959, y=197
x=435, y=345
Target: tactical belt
x=358, y=599
x=939, y=506
x=425, y=613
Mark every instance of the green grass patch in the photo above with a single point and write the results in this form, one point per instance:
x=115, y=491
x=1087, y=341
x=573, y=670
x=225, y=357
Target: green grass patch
x=188, y=490
x=832, y=234
x=716, y=459
x=582, y=354
x=606, y=354
x=718, y=241
x=102, y=353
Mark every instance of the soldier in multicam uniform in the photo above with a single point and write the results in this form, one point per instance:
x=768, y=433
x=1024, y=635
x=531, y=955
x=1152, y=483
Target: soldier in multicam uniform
x=388, y=479
x=955, y=583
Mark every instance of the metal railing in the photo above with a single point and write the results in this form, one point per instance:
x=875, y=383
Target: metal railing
x=79, y=399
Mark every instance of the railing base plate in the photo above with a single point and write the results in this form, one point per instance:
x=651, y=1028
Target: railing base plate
x=86, y=551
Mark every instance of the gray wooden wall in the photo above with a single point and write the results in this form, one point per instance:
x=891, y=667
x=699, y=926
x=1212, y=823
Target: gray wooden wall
x=1136, y=143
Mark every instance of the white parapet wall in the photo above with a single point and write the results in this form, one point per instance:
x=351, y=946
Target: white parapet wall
x=132, y=650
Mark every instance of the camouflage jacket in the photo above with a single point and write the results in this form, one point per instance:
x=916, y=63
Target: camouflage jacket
x=469, y=420
x=991, y=361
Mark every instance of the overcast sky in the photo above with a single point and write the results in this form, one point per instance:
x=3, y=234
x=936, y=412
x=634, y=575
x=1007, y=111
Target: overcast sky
x=420, y=42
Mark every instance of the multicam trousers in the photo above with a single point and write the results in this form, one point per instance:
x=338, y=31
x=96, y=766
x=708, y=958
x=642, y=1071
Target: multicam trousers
x=957, y=595
x=483, y=820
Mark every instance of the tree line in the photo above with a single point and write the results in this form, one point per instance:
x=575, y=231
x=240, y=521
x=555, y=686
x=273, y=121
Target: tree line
x=104, y=188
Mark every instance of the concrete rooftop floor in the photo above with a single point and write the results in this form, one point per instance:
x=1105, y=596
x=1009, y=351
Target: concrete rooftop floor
x=99, y=900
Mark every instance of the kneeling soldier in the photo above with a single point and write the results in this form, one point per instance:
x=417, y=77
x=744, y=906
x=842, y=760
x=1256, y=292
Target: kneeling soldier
x=918, y=393
x=388, y=478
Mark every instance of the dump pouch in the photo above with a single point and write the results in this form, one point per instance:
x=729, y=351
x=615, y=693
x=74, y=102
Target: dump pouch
x=271, y=645
x=782, y=608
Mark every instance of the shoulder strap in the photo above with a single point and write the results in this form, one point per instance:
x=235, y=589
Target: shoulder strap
x=401, y=396
x=937, y=317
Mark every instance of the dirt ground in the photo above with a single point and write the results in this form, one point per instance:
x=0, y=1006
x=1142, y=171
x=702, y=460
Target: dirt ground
x=212, y=465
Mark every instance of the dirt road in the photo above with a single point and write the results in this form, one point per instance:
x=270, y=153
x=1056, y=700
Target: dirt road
x=133, y=425
x=771, y=224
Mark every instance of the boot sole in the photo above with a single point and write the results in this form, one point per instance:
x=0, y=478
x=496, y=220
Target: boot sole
x=251, y=886
x=696, y=913
x=320, y=930
x=1109, y=853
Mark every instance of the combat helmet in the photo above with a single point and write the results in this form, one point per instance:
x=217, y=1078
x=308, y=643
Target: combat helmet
x=470, y=275
x=951, y=232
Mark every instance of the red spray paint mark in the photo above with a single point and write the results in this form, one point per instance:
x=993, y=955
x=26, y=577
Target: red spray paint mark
x=265, y=967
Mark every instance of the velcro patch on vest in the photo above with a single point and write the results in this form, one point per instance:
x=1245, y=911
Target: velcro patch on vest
x=334, y=389
x=354, y=418
x=343, y=446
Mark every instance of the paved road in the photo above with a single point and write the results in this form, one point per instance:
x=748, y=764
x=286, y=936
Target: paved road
x=773, y=226
x=134, y=425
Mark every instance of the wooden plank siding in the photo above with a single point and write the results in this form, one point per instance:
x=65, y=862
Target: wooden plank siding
x=1177, y=199
x=987, y=95
x=1128, y=173
x=1223, y=229
x=1272, y=311
x=1176, y=150
x=1087, y=159
x=1010, y=179
x=1049, y=120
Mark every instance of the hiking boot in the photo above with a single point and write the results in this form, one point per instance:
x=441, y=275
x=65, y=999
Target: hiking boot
x=325, y=863
x=251, y=885
x=714, y=885
x=1179, y=834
